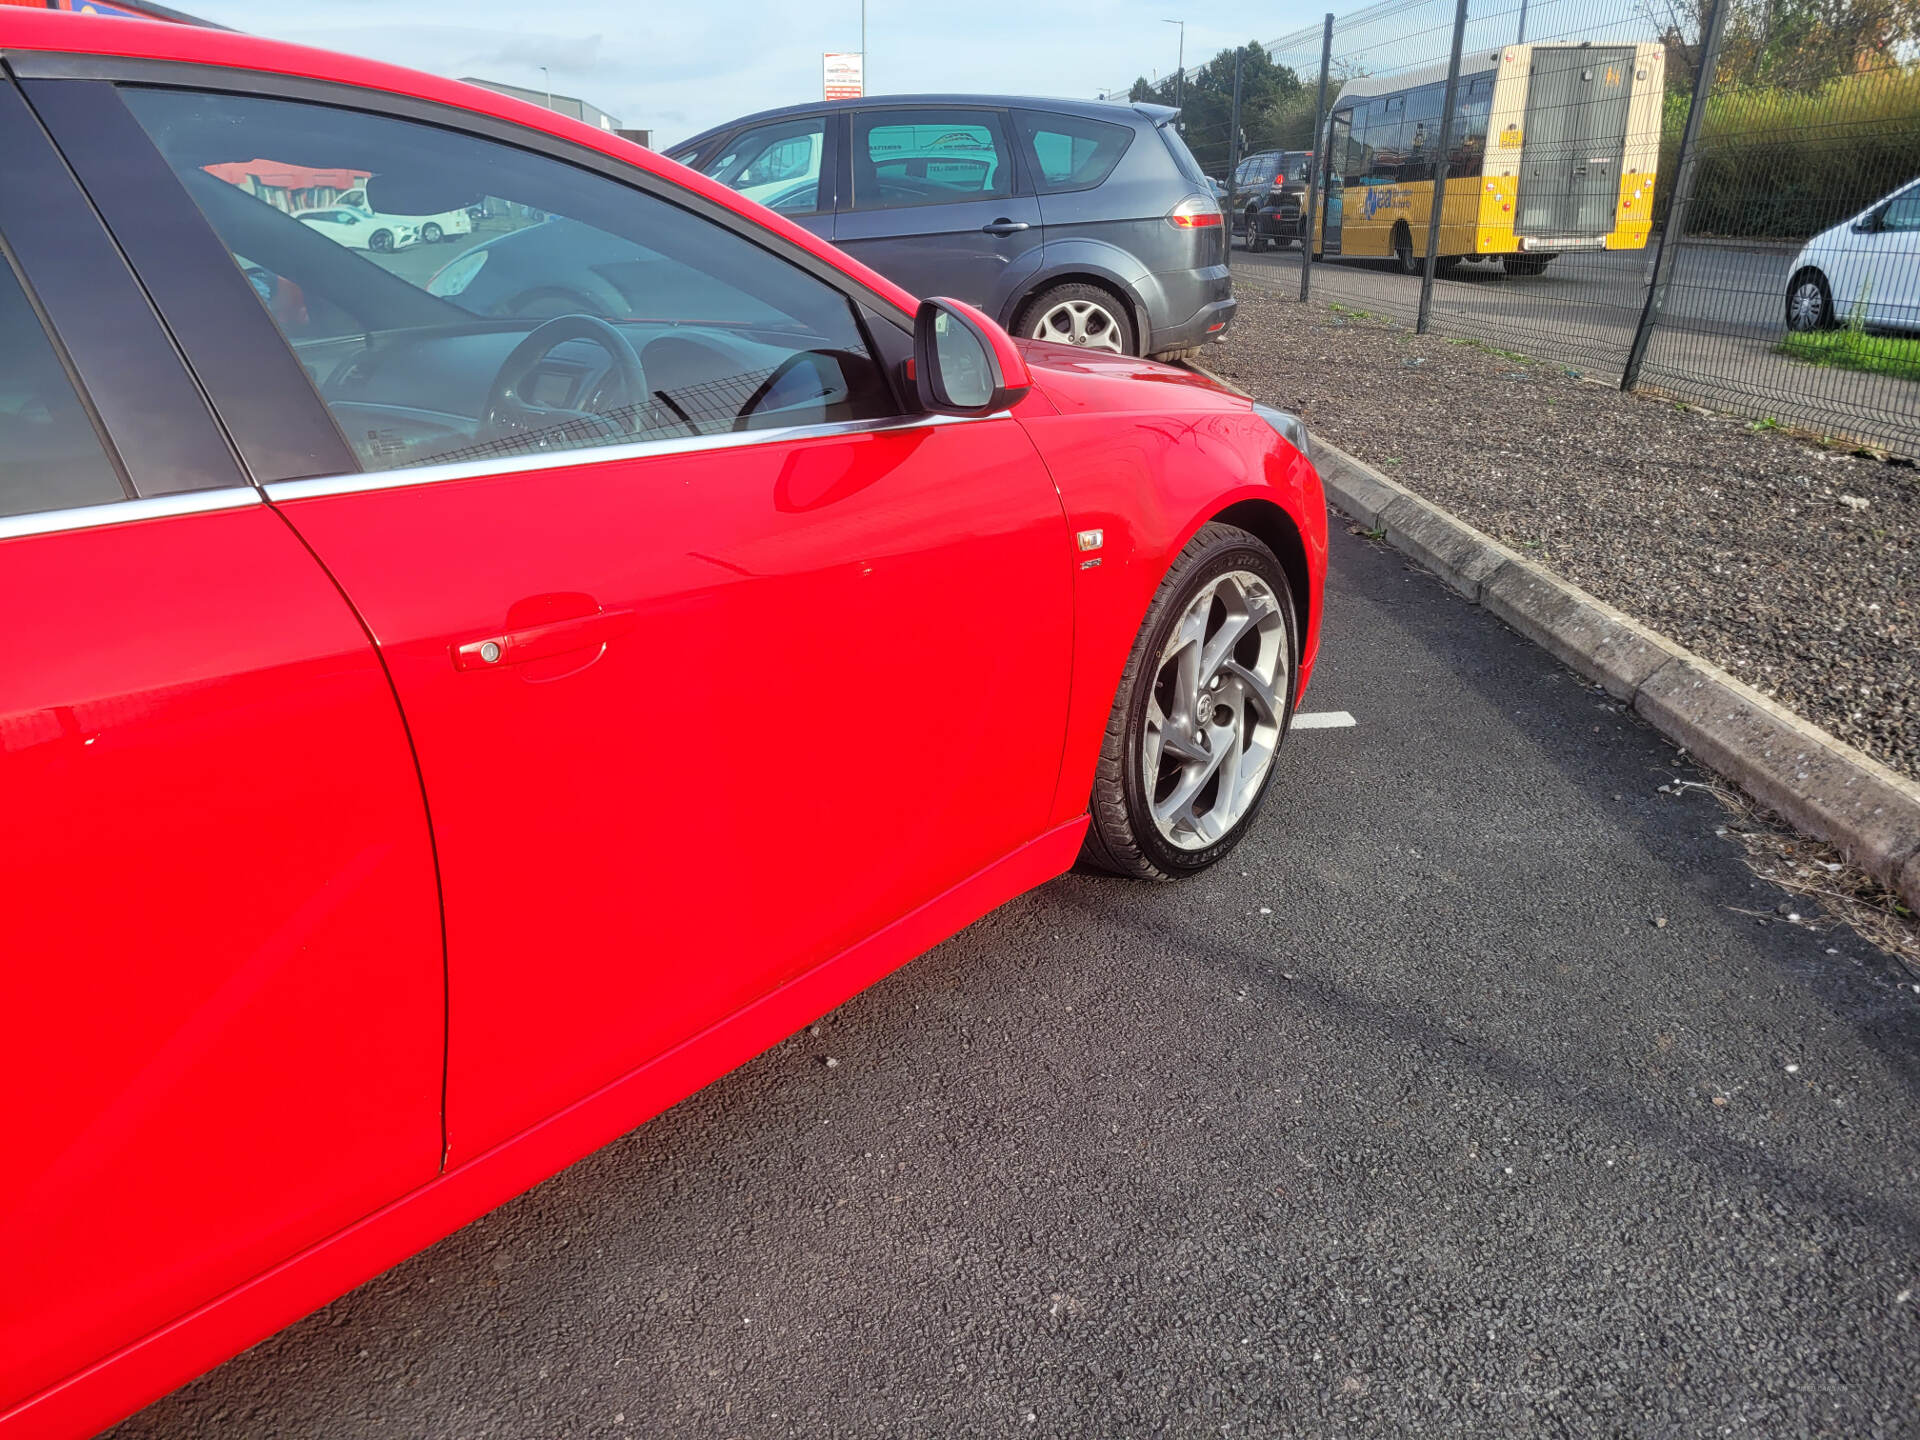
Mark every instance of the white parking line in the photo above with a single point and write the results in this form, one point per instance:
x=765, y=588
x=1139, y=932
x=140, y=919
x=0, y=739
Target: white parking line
x=1324, y=720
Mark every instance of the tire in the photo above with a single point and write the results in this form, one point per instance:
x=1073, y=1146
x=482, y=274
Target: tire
x=380, y=240
x=1256, y=242
x=1809, y=302
x=432, y=233
x=1527, y=264
x=1403, y=257
x=1082, y=315
x=1224, y=576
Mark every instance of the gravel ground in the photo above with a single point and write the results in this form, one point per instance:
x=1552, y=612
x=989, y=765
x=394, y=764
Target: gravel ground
x=1749, y=547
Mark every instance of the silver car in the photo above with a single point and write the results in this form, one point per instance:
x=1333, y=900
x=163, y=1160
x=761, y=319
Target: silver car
x=1081, y=222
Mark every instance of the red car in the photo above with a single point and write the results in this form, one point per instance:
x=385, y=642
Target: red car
x=458, y=702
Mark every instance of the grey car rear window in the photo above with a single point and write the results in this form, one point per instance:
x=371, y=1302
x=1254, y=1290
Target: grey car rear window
x=1070, y=152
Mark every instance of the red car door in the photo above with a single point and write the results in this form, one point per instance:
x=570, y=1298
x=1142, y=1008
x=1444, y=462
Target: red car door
x=222, y=992
x=716, y=663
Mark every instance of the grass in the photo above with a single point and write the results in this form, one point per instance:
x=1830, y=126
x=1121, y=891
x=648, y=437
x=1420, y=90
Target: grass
x=1854, y=349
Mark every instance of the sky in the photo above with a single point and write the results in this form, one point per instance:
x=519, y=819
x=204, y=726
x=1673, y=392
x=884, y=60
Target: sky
x=677, y=69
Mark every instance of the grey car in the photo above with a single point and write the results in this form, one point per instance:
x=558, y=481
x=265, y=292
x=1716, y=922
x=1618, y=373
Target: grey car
x=1082, y=222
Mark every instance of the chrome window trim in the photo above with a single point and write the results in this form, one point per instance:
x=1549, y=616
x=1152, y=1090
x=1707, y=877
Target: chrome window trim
x=360, y=482
x=126, y=512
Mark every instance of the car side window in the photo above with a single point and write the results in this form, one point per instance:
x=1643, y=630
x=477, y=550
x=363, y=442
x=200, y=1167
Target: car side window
x=51, y=457
x=572, y=312
x=777, y=164
x=1070, y=152
x=1903, y=213
x=928, y=157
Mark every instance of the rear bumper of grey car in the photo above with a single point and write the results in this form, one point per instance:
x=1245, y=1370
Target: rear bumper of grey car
x=1209, y=322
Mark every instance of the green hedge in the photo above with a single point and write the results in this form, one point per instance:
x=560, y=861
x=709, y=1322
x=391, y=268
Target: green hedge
x=1783, y=164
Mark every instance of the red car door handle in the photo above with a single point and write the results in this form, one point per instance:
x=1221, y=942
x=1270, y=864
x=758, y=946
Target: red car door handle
x=536, y=642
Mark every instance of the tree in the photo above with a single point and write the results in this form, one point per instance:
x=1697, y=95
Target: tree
x=1791, y=44
x=1267, y=91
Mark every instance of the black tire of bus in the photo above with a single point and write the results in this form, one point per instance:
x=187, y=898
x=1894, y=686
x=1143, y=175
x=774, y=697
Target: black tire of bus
x=1403, y=257
x=1527, y=264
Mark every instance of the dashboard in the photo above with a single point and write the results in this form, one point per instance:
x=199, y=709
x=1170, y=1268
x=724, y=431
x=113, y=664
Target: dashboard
x=412, y=397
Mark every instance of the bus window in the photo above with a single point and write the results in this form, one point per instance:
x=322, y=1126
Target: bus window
x=1469, y=151
x=1423, y=130
x=1350, y=144
x=1386, y=147
x=1338, y=133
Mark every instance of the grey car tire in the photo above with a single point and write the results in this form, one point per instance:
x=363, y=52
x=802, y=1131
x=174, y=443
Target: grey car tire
x=1080, y=315
x=1201, y=711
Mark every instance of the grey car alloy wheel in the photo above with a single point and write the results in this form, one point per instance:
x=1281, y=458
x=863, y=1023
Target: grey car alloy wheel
x=1212, y=723
x=1085, y=323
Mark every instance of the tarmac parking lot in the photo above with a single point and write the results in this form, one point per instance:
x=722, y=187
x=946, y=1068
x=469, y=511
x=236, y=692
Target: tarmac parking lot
x=1483, y=1090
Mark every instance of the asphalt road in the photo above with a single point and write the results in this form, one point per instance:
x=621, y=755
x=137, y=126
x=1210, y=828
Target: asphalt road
x=1723, y=318
x=1714, y=288
x=1410, y=1119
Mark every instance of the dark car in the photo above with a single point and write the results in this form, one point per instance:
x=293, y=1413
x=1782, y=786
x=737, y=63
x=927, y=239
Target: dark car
x=1087, y=223
x=1270, y=197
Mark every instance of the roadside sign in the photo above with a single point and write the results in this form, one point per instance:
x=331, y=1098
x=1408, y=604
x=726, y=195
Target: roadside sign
x=844, y=75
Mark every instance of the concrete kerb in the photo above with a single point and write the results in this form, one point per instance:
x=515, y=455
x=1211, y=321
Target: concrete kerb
x=1822, y=785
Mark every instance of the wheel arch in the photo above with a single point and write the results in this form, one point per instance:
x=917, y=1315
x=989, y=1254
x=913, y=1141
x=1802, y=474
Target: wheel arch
x=1082, y=260
x=1136, y=312
x=1268, y=522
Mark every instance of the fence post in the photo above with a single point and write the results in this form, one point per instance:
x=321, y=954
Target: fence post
x=1438, y=152
x=1322, y=147
x=1675, y=224
x=1233, y=155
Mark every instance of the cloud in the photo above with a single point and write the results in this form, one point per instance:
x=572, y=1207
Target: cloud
x=679, y=69
x=560, y=54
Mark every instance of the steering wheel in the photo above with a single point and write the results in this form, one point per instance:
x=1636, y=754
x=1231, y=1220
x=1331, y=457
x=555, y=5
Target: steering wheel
x=622, y=388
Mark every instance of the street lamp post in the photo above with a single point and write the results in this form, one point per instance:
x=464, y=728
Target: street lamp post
x=548, y=79
x=1180, y=75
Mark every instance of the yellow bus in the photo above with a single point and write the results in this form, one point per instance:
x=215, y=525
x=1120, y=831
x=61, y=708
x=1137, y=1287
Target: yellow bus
x=1556, y=149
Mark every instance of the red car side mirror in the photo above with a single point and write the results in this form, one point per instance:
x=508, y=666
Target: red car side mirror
x=963, y=363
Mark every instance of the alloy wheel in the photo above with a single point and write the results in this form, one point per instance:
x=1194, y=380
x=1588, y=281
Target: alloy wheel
x=1213, y=717
x=1082, y=323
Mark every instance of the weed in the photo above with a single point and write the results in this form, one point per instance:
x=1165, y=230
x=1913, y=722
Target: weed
x=1853, y=348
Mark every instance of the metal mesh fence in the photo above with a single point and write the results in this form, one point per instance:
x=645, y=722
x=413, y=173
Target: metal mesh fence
x=1793, y=291
x=1770, y=268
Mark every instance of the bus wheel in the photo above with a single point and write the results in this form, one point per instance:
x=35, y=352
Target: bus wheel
x=1527, y=264
x=1403, y=249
